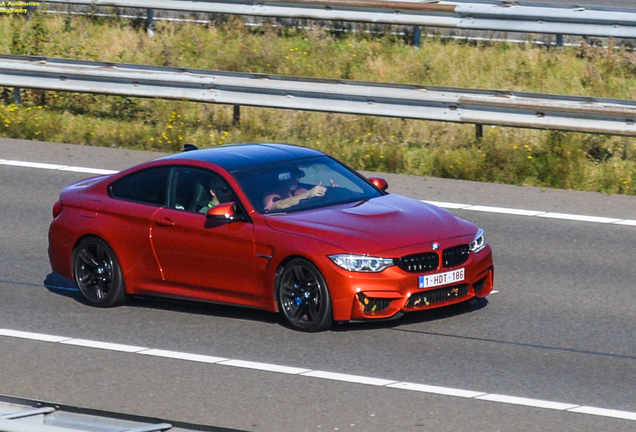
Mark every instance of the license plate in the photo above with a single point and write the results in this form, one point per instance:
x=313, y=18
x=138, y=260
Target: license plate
x=441, y=278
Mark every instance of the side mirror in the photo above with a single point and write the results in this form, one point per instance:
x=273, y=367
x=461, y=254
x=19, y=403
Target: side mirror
x=224, y=212
x=380, y=183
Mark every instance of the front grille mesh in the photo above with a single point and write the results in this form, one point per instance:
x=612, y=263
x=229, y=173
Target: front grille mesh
x=439, y=295
x=455, y=256
x=430, y=261
x=419, y=263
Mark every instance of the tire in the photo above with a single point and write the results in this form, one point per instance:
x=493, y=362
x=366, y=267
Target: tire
x=303, y=296
x=97, y=273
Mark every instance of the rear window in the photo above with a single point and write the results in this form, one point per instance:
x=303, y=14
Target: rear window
x=148, y=186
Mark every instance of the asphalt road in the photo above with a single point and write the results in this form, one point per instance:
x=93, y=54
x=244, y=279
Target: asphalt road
x=560, y=328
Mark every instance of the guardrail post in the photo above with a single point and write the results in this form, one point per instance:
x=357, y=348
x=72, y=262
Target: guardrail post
x=17, y=99
x=479, y=131
x=237, y=115
x=416, y=36
x=559, y=40
x=150, y=23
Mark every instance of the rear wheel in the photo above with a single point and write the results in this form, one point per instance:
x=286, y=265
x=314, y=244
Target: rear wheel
x=303, y=296
x=97, y=273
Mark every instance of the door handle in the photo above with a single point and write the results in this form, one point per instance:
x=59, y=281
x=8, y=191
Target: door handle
x=164, y=222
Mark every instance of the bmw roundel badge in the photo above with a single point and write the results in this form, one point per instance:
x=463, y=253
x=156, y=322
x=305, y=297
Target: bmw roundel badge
x=435, y=246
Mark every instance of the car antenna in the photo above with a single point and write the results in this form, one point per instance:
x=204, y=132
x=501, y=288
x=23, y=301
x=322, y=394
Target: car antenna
x=189, y=147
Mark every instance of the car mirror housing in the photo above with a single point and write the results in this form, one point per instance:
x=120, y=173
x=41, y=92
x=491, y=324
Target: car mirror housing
x=224, y=212
x=380, y=183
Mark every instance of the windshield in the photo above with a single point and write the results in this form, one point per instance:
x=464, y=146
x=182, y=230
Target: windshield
x=302, y=184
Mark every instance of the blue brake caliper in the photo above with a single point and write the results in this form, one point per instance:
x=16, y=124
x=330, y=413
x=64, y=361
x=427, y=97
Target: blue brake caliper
x=298, y=299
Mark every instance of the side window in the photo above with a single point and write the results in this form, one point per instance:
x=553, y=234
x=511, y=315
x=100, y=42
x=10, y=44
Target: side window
x=148, y=186
x=197, y=190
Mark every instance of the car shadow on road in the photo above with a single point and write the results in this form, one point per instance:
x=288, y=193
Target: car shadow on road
x=203, y=308
x=65, y=287
x=62, y=286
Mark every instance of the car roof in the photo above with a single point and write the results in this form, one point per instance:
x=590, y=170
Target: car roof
x=234, y=157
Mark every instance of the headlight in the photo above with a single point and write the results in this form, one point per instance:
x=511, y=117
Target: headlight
x=479, y=243
x=361, y=263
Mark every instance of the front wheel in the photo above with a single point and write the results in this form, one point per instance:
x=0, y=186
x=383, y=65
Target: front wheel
x=303, y=296
x=97, y=273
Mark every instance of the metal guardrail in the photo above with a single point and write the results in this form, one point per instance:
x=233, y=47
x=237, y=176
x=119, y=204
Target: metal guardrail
x=25, y=415
x=505, y=17
x=489, y=107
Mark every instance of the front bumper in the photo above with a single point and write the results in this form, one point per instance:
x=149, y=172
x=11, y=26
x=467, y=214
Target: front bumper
x=363, y=296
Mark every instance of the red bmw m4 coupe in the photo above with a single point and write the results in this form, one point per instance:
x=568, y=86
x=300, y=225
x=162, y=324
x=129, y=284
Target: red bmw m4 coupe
x=271, y=226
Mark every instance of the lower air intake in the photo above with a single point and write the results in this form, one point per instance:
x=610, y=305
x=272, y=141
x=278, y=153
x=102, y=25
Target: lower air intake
x=375, y=304
x=439, y=295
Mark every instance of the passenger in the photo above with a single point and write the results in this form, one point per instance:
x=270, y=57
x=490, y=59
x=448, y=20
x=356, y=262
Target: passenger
x=289, y=193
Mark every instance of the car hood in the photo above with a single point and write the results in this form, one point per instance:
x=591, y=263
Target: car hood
x=374, y=226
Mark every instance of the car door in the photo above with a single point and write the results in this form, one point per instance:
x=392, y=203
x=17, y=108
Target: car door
x=200, y=257
x=133, y=200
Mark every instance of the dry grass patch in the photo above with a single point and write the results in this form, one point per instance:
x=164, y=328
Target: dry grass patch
x=516, y=156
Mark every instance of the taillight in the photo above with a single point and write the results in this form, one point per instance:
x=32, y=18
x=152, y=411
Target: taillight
x=57, y=208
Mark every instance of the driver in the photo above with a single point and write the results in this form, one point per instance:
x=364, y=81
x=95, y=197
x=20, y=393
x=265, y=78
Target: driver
x=219, y=193
x=289, y=193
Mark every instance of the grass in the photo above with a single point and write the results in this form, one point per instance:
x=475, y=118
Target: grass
x=515, y=156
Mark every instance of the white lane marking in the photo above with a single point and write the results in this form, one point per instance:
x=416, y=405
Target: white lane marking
x=32, y=336
x=32, y=165
x=87, y=170
x=268, y=367
x=182, y=356
x=436, y=390
x=533, y=213
x=630, y=222
x=504, y=210
x=627, y=415
x=349, y=378
x=580, y=218
x=447, y=205
x=103, y=345
x=444, y=391
x=527, y=402
x=39, y=165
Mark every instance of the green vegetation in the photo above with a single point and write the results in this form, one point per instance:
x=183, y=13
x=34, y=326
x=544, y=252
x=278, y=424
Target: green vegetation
x=507, y=155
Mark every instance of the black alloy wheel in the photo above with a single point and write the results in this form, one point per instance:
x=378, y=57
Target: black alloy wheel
x=303, y=296
x=97, y=273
